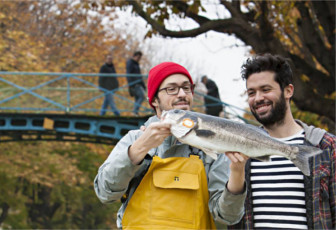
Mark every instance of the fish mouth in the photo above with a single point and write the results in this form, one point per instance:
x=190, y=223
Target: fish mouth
x=168, y=115
x=163, y=115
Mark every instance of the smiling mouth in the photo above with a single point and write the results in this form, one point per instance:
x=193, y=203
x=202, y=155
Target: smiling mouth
x=262, y=108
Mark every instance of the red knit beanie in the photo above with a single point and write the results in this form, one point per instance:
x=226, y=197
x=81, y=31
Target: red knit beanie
x=160, y=72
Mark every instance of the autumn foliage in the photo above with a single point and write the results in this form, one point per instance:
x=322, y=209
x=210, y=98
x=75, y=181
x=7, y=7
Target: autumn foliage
x=50, y=185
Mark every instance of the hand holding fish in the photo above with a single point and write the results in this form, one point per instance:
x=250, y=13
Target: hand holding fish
x=237, y=176
x=152, y=136
x=238, y=160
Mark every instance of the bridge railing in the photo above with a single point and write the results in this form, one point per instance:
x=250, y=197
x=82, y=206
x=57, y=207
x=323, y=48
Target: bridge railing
x=78, y=93
x=61, y=92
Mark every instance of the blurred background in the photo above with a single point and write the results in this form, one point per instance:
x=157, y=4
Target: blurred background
x=49, y=184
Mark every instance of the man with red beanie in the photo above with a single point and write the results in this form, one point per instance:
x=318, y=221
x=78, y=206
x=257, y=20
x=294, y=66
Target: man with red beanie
x=163, y=183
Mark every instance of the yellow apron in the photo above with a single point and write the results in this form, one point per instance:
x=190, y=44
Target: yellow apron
x=172, y=195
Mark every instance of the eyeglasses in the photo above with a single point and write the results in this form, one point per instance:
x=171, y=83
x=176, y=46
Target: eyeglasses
x=174, y=90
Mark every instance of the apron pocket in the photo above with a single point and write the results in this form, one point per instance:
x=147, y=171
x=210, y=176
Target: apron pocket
x=174, y=195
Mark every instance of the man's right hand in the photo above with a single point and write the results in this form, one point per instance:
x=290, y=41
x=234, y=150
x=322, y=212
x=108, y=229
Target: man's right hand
x=152, y=137
x=237, y=176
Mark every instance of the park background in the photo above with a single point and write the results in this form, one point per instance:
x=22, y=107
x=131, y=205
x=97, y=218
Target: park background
x=49, y=184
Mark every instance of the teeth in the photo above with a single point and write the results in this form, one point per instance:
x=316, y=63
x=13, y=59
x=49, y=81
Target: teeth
x=262, y=108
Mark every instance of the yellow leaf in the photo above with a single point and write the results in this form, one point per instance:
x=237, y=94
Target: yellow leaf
x=304, y=78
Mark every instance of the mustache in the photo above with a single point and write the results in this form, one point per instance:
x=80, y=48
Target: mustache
x=181, y=100
x=261, y=103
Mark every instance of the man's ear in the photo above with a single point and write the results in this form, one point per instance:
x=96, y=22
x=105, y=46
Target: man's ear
x=155, y=102
x=289, y=91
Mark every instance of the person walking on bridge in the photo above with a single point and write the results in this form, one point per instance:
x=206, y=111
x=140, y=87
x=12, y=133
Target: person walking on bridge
x=212, y=102
x=108, y=84
x=136, y=90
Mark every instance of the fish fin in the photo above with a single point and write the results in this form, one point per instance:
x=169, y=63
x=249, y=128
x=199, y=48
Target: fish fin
x=301, y=159
x=263, y=158
x=204, y=133
x=211, y=153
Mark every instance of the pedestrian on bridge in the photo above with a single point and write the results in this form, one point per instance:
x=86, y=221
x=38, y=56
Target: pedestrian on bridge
x=163, y=183
x=213, y=105
x=137, y=85
x=108, y=84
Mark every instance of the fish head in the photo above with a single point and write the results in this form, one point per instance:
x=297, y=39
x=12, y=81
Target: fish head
x=182, y=122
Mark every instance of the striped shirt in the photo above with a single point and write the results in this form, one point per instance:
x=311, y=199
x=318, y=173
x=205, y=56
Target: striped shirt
x=278, y=194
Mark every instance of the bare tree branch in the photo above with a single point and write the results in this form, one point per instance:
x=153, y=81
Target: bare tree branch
x=254, y=28
x=310, y=37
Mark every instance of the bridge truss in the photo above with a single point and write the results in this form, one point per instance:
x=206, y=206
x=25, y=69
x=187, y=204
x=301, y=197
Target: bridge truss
x=65, y=107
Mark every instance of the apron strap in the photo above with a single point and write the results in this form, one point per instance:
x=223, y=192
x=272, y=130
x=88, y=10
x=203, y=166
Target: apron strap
x=194, y=151
x=134, y=183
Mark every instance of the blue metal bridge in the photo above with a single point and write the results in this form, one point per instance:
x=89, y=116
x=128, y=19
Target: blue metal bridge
x=65, y=107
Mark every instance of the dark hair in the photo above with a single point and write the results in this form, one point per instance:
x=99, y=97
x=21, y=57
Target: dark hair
x=268, y=62
x=137, y=53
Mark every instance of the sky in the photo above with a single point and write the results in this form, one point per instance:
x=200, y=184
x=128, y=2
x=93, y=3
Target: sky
x=217, y=55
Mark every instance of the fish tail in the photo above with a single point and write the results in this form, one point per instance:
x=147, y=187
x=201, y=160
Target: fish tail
x=302, y=157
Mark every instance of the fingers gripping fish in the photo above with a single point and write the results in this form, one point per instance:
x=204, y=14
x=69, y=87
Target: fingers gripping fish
x=216, y=135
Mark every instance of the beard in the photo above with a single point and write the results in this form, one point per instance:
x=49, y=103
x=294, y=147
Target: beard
x=163, y=108
x=276, y=115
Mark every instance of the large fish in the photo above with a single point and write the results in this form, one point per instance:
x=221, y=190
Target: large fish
x=216, y=135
